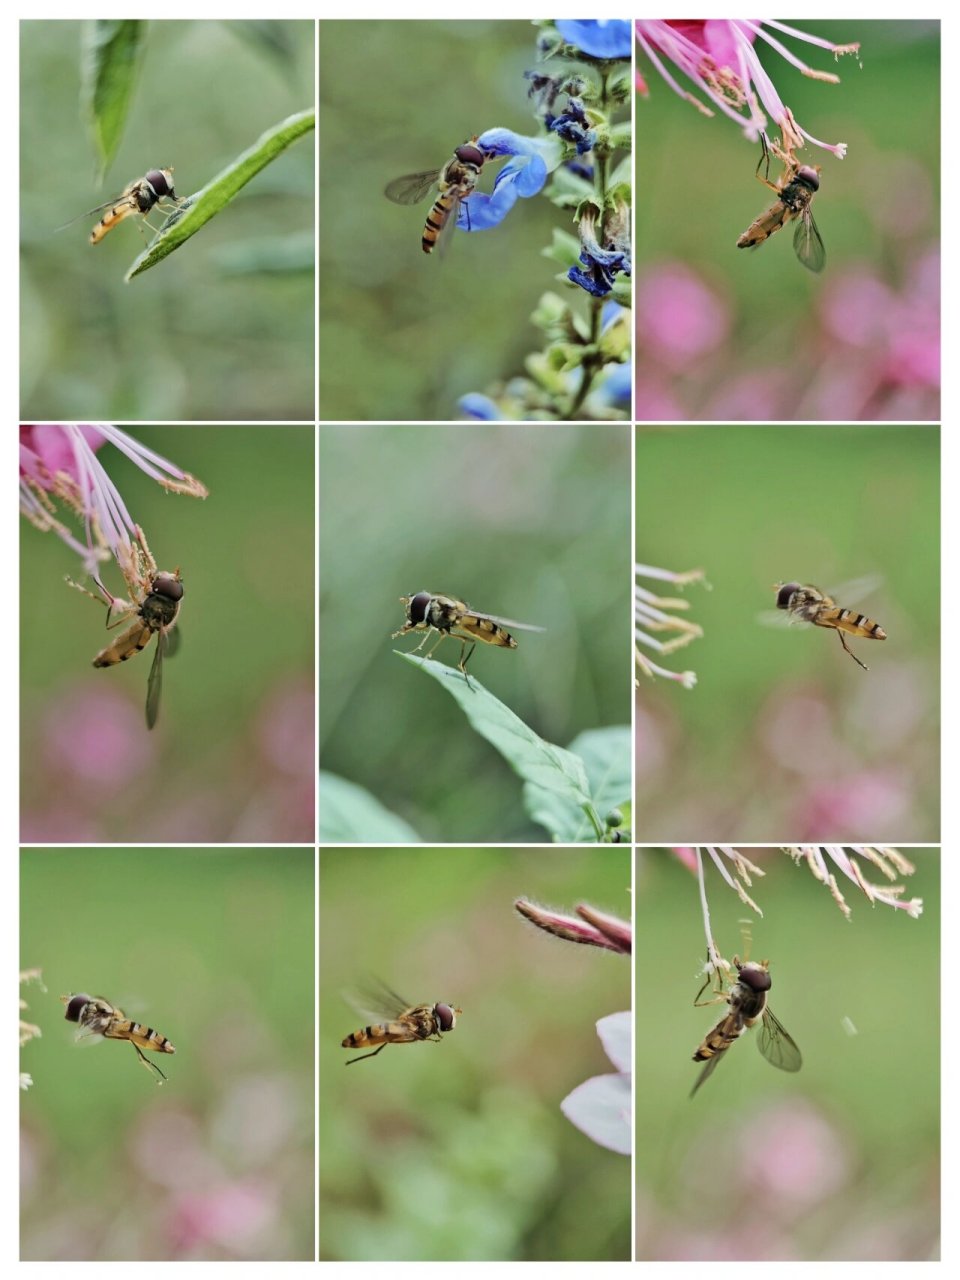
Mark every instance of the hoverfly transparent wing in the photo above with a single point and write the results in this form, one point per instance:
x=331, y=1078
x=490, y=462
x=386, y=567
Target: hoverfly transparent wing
x=174, y=641
x=412, y=187
x=375, y=1001
x=707, y=1071
x=445, y=238
x=807, y=243
x=776, y=1044
x=109, y=204
x=506, y=622
x=155, y=682
x=848, y=595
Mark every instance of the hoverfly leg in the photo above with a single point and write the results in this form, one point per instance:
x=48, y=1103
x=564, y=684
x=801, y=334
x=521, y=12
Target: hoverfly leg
x=765, y=156
x=123, y=607
x=718, y=995
x=151, y=1066
x=440, y=637
x=850, y=651
x=364, y=1055
x=462, y=664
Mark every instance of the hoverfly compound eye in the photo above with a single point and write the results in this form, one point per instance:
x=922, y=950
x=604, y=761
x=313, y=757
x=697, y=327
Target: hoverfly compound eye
x=158, y=180
x=469, y=154
x=419, y=605
x=74, y=1006
x=165, y=584
x=785, y=592
x=445, y=1016
x=809, y=177
x=756, y=977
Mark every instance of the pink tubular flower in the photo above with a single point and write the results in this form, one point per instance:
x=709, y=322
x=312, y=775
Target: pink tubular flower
x=650, y=613
x=58, y=464
x=889, y=862
x=590, y=926
x=718, y=56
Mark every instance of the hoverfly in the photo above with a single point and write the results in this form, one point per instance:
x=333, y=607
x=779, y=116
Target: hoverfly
x=138, y=196
x=747, y=998
x=795, y=189
x=98, y=1017
x=454, y=182
x=428, y=611
x=155, y=605
x=810, y=604
x=405, y=1024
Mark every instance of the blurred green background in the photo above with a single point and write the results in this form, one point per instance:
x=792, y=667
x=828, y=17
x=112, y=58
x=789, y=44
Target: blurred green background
x=784, y=735
x=222, y=329
x=860, y=341
x=417, y=333
x=232, y=757
x=214, y=949
x=529, y=523
x=840, y=1161
x=458, y=1150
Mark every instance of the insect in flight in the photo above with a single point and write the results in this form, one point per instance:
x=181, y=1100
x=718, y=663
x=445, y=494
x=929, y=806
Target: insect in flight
x=795, y=189
x=139, y=196
x=404, y=1024
x=454, y=183
x=747, y=998
x=98, y=1017
x=810, y=604
x=155, y=606
x=428, y=611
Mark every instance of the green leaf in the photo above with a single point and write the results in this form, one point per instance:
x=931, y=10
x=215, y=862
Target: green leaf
x=349, y=814
x=622, y=176
x=564, y=249
x=606, y=758
x=198, y=209
x=621, y=135
x=109, y=66
x=552, y=770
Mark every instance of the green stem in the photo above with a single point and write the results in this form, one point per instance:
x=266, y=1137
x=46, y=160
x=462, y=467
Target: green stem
x=593, y=364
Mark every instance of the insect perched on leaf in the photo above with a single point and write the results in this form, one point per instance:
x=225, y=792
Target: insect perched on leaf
x=795, y=189
x=454, y=182
x=428, y=611
x=403, y=1023
x=98, y=1017
x=810, y=604
x=155, y=607
x=747, y=998
x=138, y=197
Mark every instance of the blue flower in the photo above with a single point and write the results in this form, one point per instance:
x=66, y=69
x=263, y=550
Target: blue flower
x=610, y=39
x=524, y=175
x=603, y=265
x=572, y=126
x=615, y=386
x=478, y=406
